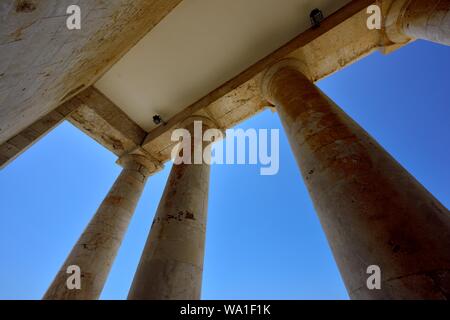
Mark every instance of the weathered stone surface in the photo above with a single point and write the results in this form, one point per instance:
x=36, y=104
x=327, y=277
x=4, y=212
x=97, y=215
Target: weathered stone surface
x=18, y=144
x=103, y=121
x=372, y=210
x=171, y=265
x=95, y=251
x=91, y=112
x=418, y=19
x=43, y=64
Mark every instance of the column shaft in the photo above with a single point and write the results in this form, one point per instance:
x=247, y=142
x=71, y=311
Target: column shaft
x=372, y=210
x=96, y=249
x=171, y=265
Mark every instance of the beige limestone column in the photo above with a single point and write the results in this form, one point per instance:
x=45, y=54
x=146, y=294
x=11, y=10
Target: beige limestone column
x=372, y=210
x=95, y=251
x=419, y=19
x=171, y=264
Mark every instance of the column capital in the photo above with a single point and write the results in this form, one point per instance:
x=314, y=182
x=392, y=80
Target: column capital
x=394, y=22
x=140, y=160
x=289, y=63
x=418, y=19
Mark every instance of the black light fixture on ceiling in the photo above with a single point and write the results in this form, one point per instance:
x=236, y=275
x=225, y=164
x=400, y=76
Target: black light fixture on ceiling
x=158, y=120
x=316, y=17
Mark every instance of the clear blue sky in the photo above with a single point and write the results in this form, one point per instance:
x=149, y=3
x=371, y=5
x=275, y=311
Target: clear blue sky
x=264, y=240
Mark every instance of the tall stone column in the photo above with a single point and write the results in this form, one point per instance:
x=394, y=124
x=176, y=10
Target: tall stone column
x=372, y=210
x=419, y=19
x=96, y=249
x=171, y=264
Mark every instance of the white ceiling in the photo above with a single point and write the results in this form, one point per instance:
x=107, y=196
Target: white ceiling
x=200, y=45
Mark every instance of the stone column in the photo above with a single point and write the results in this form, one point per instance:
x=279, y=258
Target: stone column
x=171, y=265
x=419, y=19
x=372, y=210
x=95, y=251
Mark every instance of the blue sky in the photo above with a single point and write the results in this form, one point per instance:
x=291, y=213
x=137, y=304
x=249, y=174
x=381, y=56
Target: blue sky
x=264, y=240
